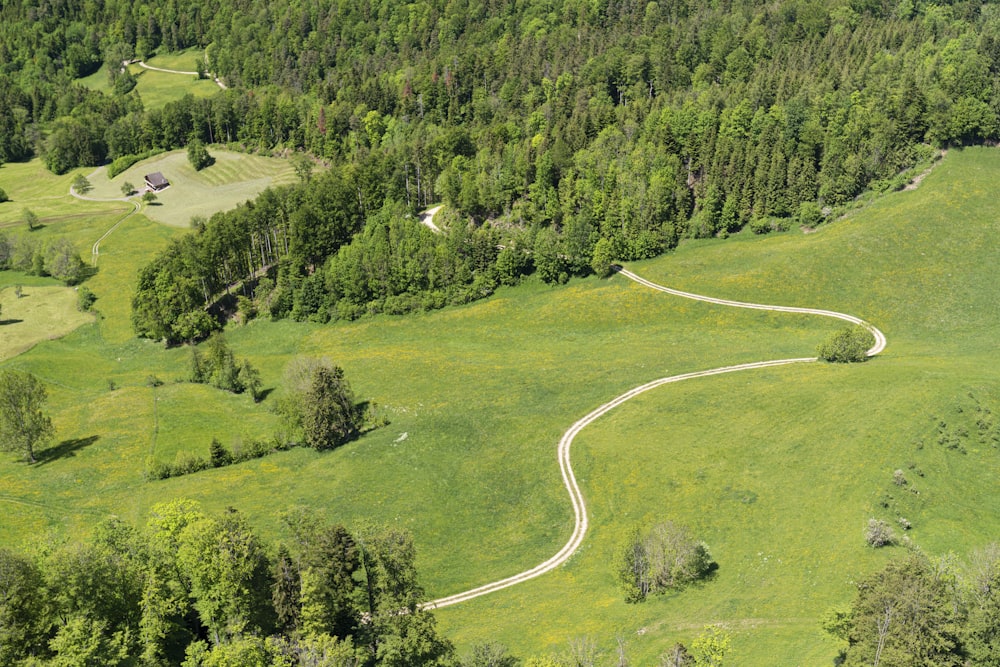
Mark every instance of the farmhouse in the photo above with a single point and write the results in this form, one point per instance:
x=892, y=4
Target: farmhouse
x=156, y=181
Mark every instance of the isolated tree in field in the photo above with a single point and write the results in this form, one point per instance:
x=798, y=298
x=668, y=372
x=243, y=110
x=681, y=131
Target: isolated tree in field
x=149, y=197
x=198, y=155
x=30, y=219
x=329, y=415
x=848, y=345
x=3, y=196
x=665, y=558
x=127, y=189
x=23, y=425
x=81, y=184
x=317, y=402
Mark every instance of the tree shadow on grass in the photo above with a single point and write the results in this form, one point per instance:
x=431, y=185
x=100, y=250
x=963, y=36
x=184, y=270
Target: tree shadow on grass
x=3, y=322
x=65, y=449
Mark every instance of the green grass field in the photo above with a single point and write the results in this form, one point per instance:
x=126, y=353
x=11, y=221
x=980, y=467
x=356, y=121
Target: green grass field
x=232, y=180
x=158, y=88
x=777, y=470
x=41, y=313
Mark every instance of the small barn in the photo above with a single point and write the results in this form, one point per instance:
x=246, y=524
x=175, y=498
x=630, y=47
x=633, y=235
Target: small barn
x=156, y=181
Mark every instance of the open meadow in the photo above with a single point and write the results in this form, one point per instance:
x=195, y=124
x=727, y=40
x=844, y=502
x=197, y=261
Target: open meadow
x=158, y=88
x=778, y=469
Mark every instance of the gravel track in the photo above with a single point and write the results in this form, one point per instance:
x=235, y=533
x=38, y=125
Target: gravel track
x=580, y=522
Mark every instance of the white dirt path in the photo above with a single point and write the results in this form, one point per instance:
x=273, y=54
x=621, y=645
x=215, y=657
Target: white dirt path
x=580, y=522
x=178, y=71
x=427, y=219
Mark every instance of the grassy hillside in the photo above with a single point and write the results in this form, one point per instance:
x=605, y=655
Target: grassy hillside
x=778, y=470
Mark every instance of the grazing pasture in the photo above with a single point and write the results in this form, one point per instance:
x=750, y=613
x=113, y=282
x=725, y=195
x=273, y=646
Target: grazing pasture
x=778, y=469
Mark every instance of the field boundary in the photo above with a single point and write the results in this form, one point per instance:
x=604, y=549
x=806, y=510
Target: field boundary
x=581, y=522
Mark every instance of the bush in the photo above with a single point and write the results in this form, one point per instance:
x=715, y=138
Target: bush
x=848, y=345
x=810, y=214
x=218, y=455
x=3, y=196
x=879, y=534
x=85, y=299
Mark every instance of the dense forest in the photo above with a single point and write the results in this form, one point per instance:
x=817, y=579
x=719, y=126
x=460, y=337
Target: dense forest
x=628, y=123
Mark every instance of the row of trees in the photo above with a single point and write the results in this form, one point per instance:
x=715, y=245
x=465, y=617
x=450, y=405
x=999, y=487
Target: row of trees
x=196, y=589
x=56, y=257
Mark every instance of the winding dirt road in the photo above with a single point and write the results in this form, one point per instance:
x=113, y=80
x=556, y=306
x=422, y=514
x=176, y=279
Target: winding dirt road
x=580, y=523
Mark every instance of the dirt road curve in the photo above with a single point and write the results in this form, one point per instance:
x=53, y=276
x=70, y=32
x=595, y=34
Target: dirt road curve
x=563, y=450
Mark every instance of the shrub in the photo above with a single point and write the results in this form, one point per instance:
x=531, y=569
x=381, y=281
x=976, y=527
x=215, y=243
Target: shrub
x=186, y=463
x=848, y=345
x=810, y=214
x=879, y=534
x=85, y=299
x=218, y=455
x=3, y=196
x=120, y=164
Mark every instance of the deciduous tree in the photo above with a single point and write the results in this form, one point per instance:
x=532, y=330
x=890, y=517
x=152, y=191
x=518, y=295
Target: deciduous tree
x=23, y=423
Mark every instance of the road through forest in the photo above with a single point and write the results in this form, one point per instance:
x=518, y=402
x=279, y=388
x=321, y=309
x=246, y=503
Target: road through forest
x=580, y=522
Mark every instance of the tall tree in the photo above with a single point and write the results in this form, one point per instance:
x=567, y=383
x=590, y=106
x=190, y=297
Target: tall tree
x=23, y=424
x=905, y=615
x=328, y=412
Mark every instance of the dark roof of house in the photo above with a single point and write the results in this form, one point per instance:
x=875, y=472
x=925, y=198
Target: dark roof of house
x=157, y=180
